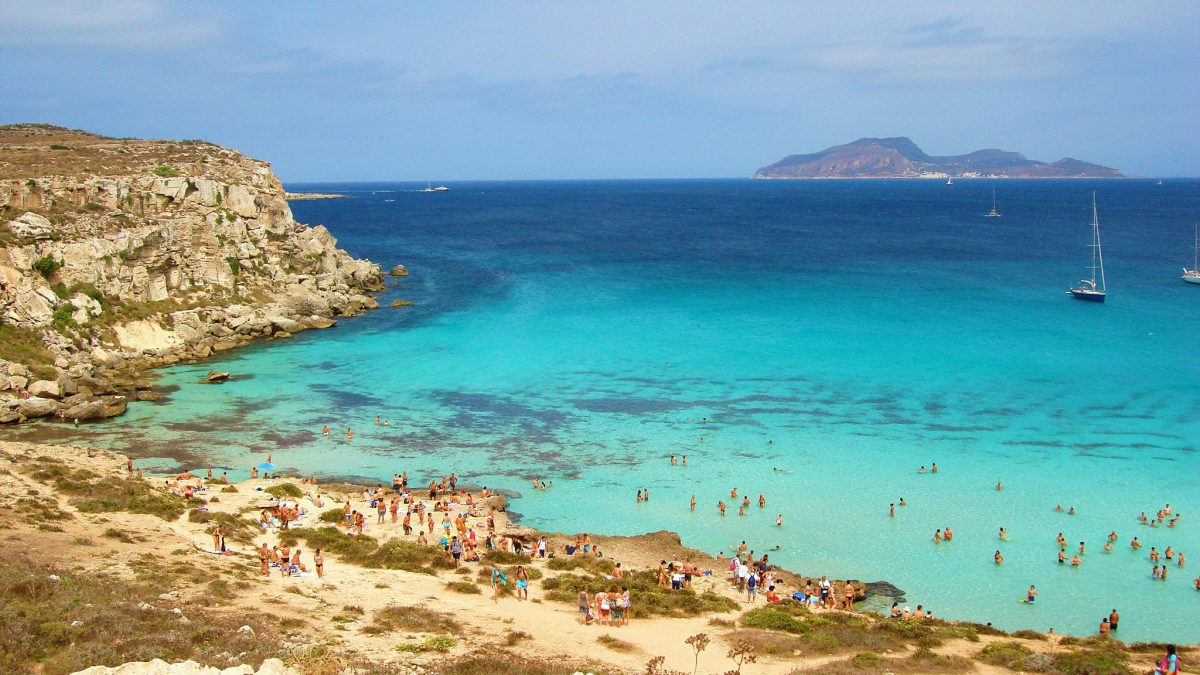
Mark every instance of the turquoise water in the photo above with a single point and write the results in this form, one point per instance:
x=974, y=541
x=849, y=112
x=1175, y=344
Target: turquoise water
x=847, y=332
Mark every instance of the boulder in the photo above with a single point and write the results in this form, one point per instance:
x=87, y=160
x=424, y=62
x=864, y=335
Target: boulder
x=103, y=357
x=401, y=303
x=100, y=408
x=285, y=324
x=9, y=415
x=37, y=407
x=399, y=271
x=31, y=225
x=216, y=376
x=45, y=389
x=319, y=322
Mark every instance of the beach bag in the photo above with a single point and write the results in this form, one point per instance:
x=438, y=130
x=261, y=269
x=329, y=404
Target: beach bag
x=604, y=605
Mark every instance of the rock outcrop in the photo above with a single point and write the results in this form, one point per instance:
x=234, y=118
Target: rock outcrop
x=120, y=255
x=160, y=667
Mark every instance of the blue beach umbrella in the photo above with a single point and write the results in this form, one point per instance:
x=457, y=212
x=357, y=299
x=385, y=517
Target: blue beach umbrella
x=266, y=466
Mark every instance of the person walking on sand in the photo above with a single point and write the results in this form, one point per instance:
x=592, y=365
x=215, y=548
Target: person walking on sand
x=585, y=606
x=498, y=579
x=319, y=563
x=522, y=583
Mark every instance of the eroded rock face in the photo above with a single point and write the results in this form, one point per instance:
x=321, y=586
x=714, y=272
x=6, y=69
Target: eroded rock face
x=171, y=257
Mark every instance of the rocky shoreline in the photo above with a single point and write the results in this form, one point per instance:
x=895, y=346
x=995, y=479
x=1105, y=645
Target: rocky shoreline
x=119, y=256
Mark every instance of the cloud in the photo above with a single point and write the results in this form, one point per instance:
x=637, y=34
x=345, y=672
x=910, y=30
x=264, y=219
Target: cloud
x=124, y=24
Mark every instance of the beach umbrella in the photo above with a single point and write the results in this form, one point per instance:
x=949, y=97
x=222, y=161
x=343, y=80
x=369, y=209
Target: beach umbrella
x=266, y=466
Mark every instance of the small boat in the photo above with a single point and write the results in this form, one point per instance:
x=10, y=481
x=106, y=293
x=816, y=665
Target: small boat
x=1192, y=276
x=950, y=180
x=1087, y=288
x=1160, y=181
x=441, y=188
x=993, y=213
x=428, y=188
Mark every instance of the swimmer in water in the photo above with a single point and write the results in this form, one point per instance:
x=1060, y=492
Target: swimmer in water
x=693, y=502
x=892, y=510
x=902, y=502
x=933, y=468
x=998, y=558
x=1003, y=534
x=779, y=522
x=1031, y=594
x=999, y=486
x=922, y=469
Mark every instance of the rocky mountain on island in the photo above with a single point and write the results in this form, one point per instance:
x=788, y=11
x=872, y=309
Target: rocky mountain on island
x=120, y=254
x=901, y=158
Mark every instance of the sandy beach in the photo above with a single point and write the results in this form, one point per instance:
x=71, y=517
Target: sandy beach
x=347, y=609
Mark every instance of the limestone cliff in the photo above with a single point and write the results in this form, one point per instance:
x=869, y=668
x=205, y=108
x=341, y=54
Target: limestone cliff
x=120, y=254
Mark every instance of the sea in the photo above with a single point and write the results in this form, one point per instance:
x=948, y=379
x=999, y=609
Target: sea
x=813, y=341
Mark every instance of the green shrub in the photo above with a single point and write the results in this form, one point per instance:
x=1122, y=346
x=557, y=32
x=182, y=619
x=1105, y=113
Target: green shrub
x=166, y=171
x=770, y=618
x=440, y=643
x=366, y=551
x=285, y=490
x=1005, y=653
x=62, y=314
x=234, y=265
x=58, y=146
x=646, y=596
x=467, y=587
x=332, y=516
x=46, y=266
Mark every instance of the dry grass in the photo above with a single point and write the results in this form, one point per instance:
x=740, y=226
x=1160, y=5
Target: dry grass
x=412, y=619
x=616, y=644
x=56, y=626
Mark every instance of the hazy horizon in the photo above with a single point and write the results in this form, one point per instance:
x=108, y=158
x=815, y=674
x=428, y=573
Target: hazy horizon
x=542, y=90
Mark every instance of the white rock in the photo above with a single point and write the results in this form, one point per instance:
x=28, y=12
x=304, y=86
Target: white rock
x=245, y=629
x=45, y=389
x=31, y=225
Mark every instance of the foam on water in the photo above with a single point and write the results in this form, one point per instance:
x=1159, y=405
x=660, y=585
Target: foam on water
x=846, y=331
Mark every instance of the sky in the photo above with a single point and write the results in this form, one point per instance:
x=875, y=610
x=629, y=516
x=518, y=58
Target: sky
x=443, y=91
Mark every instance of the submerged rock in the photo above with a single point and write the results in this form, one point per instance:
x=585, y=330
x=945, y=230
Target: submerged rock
x=216, y=376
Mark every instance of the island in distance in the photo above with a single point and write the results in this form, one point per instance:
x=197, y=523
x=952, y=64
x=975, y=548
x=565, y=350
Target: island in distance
x=901, y=158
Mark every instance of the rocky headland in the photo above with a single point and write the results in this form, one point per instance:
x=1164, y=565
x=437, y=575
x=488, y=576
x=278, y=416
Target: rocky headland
x=901, y=158
x=119, y=255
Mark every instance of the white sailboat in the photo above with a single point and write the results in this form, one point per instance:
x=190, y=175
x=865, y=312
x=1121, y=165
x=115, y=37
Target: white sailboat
x=1087, y=288
x=950, y=180
x=429, y=188
x=993, y=213
x=1192, y=276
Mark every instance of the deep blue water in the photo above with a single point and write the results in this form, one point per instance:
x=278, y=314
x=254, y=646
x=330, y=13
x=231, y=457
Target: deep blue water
x=844, y=331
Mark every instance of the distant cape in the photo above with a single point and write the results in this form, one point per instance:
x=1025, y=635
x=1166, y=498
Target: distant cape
x=901, y=158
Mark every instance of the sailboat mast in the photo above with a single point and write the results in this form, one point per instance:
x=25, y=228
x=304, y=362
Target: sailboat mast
x=1096, y=250
x=1196, y=250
